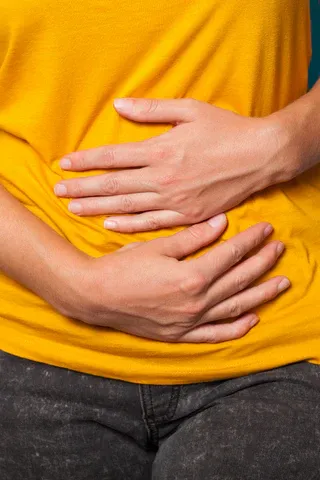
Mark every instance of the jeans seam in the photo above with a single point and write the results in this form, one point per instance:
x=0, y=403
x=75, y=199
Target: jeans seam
x=173, y=404
x=153, y=419
x=148, y=415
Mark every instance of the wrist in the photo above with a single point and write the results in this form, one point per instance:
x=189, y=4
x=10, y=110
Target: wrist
x=295, y=135
x=71, y=284
x=86, y=290
x=282, y=162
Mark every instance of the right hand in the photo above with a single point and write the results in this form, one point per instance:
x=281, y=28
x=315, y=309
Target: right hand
x=148, y=290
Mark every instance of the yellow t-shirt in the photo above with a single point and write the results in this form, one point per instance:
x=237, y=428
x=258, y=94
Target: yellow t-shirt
x=61, y=65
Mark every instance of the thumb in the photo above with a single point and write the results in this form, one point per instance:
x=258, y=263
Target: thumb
x=193, y=238
x=157, y=111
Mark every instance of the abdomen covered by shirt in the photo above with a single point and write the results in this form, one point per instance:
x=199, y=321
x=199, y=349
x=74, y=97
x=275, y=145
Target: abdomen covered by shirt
x=61, y=65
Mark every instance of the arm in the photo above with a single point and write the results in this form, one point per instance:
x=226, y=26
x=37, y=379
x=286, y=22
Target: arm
x=158, y=296
x=209, y=162
x=299, y=126
x=35, y=256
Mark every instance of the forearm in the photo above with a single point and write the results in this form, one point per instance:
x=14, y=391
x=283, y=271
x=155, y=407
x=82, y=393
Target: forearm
x=34, y=255
x=299, y=127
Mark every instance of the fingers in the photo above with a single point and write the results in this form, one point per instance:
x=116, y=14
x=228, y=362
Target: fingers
x=147, y=221
x=118, y=204
x=247, y=272
x=158, y=111
x=247, y=300
x=222, y=332
x=191, y=239
x=220, y=259
x=124, y=155
x=107, y=184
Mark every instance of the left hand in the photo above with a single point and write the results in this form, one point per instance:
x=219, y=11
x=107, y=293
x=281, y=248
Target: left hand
x=210, y=161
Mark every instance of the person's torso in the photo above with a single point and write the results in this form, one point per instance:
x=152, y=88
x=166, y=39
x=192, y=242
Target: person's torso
x=61, y=65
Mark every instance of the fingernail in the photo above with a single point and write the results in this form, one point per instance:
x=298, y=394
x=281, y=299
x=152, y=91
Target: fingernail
x=65, y=163
x=283, y=285
x=60, y=189
x=218, y=220
x=254, y=321
x=268, y=230
x=110, y=224
x=75, y=207
x=123, y=104
x=280, y=248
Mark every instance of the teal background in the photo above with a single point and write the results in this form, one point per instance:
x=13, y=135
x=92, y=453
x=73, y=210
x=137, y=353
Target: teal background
x=315, y=63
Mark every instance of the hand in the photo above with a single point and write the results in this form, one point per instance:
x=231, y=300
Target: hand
x=209, y=162
x=148, y=290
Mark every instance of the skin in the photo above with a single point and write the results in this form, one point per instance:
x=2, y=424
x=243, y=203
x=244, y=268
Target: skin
x=199, y=299
x=88, y=289
x=210, y=161
x=146, y=289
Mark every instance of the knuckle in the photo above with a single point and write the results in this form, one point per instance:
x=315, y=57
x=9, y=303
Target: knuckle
x=236, y=252
x=80, y=159
x=211, y=337
x=153, y=223
x=193, y=285
x=110, y=185
x=152, y=105
x=242, y=282
x=262, y=261
x=127, y=205
x=167, y=180
x=234, y=309
x=76, y=188
x=180, y=197
x=108, y=155
x=265, y=261
x=269, y=293
x=160, y=153
x=192, y=310
x=195, y=213
x=258, y=238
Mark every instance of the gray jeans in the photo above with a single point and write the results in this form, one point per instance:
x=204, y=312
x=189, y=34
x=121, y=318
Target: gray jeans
x=57, y=424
